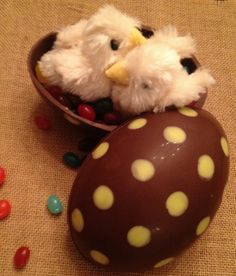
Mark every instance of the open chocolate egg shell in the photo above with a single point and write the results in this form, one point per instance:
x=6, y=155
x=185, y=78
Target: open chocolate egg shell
x=149, y=189
x=44, y=44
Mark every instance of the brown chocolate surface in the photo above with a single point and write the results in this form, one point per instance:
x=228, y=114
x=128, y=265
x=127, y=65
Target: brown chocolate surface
x=143, y=203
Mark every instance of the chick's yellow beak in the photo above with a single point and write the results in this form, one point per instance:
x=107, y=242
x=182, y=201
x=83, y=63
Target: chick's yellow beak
x=118, y=73
x=137, y=38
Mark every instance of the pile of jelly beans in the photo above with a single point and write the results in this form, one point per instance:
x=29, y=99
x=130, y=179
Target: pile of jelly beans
x=22, y=254
x=100, y=111
x=70, y=159
x=55, y=207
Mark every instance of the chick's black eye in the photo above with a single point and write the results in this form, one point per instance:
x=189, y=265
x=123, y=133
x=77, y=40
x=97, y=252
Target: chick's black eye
x=114, y=44
x=145, y=86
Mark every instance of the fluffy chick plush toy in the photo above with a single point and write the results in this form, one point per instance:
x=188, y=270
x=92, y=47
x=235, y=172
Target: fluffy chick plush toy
x=151, y=76
x=82, y=53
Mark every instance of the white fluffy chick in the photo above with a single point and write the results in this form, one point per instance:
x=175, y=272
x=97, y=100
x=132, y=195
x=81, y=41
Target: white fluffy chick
x=80, y=69
x=152, y=78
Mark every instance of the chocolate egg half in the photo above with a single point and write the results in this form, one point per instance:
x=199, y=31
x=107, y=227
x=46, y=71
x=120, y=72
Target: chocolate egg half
x=149, y=189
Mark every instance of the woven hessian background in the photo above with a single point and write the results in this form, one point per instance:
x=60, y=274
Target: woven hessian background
x=33, y=158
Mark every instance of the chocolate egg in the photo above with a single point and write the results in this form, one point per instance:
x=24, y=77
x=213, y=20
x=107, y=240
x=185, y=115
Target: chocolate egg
x=149, y=189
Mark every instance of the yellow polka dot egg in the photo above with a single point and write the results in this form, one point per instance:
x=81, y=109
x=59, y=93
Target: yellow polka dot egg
x=149, y=190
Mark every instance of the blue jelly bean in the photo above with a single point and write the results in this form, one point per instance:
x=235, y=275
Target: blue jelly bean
x=54, y=204
x=72, y=160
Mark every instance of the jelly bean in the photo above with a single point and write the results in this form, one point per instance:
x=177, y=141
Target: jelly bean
x=103, y=106
x=21, y=257
x=72, y=160
x=39, y=75
x=54, y=204
x=86, y=111
x=2, y=175
x=43, y=122
x=5, y=208
x=112, y=118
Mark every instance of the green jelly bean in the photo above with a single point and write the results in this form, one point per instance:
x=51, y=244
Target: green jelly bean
x=72, y=160
x=54, y=204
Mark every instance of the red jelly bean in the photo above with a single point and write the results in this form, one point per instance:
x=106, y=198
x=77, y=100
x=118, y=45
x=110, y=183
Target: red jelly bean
x=112, y=118
x=21, y=257
x=5, y=208
x=43, y=122
x=2, y=176
x=86, y=111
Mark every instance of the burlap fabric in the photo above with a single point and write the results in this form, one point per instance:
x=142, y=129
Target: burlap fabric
x=33, y=158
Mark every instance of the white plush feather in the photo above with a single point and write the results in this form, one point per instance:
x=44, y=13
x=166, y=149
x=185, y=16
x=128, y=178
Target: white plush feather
x=109, y=20
x=82, y=53
x=70, y=36
x=185, y=46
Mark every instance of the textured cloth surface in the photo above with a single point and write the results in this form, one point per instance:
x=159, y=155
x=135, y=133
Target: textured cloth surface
x=33, y=157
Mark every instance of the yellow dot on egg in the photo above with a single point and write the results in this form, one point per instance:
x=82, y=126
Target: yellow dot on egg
x=137, y=123
x=202, y=226
x=224, y=146
x=174, y=135
x=177, y=204
x=77, y=220
x=139, y=236
x=142, y=170
x=101, y=150
x=187, y=111
x=39, y=75
x=163, y=262
x=103, y=197
x=99, y=257
x=206, y=167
